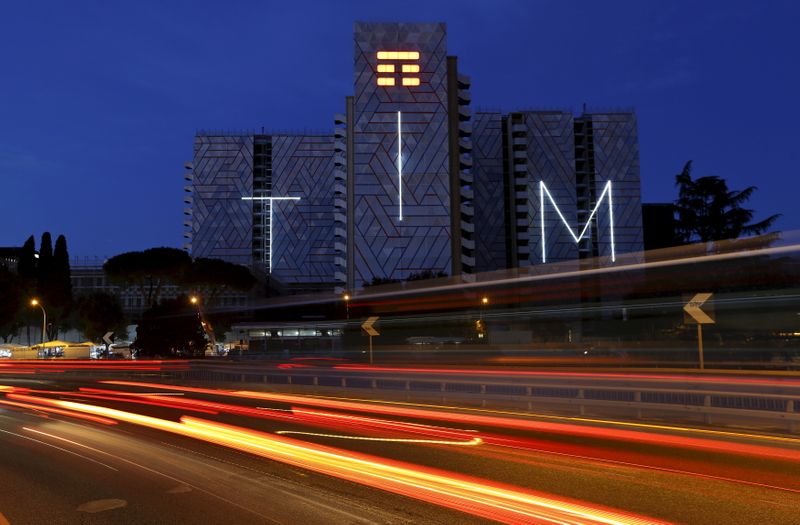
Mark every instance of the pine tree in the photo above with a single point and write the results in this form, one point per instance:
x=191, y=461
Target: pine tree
x=26, y=266
x=44, y=267
x=60, y=293
x=708, y=211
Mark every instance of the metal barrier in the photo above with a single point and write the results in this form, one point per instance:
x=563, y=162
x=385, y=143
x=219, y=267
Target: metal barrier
x=721, y=406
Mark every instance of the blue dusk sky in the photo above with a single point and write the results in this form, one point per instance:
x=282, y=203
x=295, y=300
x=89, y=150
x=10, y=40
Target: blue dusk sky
x=99, y=101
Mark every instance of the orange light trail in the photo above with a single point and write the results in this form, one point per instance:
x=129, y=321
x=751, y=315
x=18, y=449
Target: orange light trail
x=471, y=442
x=479, y=497
x=774, y=381
x=53, y=410
x=660, y=439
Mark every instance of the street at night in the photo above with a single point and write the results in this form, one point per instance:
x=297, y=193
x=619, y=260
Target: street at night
x=137, y=451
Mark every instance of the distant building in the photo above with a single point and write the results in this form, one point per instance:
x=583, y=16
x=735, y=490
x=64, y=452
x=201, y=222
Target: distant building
x=411, y=181
x=87, y=276
x=9, y=257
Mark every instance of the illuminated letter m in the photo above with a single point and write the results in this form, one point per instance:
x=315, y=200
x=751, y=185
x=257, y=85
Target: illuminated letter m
x=606, y=191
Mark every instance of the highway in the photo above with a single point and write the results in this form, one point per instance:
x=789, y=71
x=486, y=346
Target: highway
x=82, y=450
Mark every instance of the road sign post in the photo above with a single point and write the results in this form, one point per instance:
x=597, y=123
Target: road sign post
x=370, y=329
x=108, y=339
x=696, y=314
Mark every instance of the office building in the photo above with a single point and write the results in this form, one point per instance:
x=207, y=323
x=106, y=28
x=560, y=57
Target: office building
x=410, y=181
x=266, y=202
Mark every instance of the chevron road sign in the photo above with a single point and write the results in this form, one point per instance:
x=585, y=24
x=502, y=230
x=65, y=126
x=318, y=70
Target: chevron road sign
x=370, y=330
x=107, y=338
x=695, y=311
x=368, y=326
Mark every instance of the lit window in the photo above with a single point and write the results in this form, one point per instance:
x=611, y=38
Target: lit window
x=410, y=68
x=410, y=81
x=398, y=55
x=385, y=81
x=387, y=68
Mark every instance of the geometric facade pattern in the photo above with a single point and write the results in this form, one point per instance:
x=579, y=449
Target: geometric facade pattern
x=221, y=223
x=384, y=246
x=302, y=246
x=616, y=158
x=550, y=158
x=469, y=185
x=574, y=158
x=295, y=237
x=489, y=189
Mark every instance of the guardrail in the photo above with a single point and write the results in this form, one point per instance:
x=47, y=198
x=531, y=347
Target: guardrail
x=640, y=402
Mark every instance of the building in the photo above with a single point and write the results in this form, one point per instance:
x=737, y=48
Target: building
x=9, y=257
x=410, y=181
x=404, y=201
x=265, y=201
x=87, y=276
x=547, y=183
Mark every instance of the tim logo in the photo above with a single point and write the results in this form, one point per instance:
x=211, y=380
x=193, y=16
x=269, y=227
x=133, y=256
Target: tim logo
x=398, y=65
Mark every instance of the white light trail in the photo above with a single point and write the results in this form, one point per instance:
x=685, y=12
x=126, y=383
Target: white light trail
x=270, y=199
x=606, y=190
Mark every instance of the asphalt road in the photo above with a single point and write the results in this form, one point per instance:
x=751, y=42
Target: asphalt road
x=58, y=468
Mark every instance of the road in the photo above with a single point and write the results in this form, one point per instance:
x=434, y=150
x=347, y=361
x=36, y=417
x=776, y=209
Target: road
x=78, y=450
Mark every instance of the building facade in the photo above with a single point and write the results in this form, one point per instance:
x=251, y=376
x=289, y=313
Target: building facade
x=410, y=181
x=405, y=201
x=264, y=201
x=570, y=187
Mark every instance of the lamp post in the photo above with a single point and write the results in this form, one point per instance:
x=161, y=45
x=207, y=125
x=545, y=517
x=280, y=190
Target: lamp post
x=481, y=328
x=35, y=302
x=346, y=298
x=209, y=331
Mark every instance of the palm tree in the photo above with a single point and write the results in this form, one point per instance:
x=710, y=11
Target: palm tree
x=708, y=211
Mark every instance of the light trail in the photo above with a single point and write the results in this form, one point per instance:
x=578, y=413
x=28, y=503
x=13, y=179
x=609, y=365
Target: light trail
x=682, y=378
x=471, y=442
x=60, y=412
x=479, y=497
x=622, y=434
x=522, y=445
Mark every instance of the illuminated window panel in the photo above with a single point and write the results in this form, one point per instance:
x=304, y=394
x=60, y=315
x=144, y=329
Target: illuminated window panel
x=410, y=68
x=398, y=55
x=387, y=68
x=411, y=82
x=386, y=81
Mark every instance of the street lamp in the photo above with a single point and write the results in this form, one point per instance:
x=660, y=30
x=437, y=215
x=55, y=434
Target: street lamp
x=207, y=328
x=35, y=302
x=346, y=298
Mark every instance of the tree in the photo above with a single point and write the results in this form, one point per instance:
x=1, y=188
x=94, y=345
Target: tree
x=426, y=274
x=44, y=266
x=97, y=313
x=12, y=304
x=708, y=211
x=210, y=278
x=60, y=283
x=170, y=329
x=148, y=270
x=58, y=291
x=26, y=266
